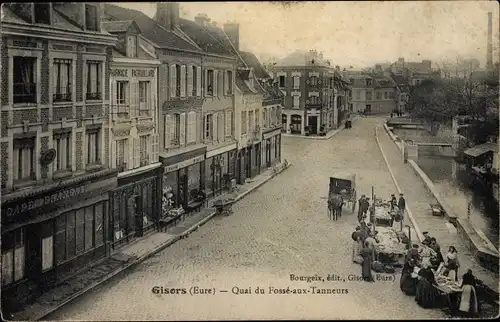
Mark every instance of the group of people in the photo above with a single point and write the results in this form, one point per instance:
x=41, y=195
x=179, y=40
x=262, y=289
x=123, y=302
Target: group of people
x=363, y=252
x=422, y=285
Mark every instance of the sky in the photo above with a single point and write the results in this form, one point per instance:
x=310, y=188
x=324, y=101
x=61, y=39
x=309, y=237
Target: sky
x=355, y=33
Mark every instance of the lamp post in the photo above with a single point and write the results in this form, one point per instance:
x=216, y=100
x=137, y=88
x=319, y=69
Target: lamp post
x=409, y=237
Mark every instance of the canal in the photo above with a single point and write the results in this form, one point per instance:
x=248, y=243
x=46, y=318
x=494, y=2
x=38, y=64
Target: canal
x=451, y=180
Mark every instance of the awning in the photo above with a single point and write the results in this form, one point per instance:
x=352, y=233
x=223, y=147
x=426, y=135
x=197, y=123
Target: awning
x=478, y=150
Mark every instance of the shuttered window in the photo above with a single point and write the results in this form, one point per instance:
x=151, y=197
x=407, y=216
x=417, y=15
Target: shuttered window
x=182, y=81
x=229, y=123
x=191, y=132
x=191, y=71
x=173, y=81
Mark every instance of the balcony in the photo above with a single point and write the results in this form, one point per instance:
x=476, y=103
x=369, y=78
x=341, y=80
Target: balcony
x=121, y=111
x=24, y=93
x=314, y=106
x=66, y=97
x=94, y=96
x=122, y=166
x=144, y=161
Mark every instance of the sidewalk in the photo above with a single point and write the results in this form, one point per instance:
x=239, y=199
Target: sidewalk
x=130, y=255
x=418, y=199
x=326, y=137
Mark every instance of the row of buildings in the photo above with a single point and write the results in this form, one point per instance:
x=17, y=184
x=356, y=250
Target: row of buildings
x=105, y=114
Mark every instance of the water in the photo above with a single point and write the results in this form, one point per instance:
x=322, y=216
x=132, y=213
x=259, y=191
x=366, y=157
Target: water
x=484, y=210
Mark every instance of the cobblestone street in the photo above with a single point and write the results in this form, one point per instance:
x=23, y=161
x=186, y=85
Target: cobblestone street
x=280, y=229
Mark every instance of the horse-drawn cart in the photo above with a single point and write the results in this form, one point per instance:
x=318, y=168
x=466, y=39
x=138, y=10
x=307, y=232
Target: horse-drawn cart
x=342, y=190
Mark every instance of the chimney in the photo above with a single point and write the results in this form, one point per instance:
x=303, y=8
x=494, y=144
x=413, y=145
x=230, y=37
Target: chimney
x=167, y=14
x=202, y=19
x=232, y=31
x=489, y=54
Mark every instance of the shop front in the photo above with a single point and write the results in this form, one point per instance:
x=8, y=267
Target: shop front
x=51, y=232
x=135, y=205
x=219, y=170
x=296, y=124
x=183, y=179
x=271, y=151
x=241, y=172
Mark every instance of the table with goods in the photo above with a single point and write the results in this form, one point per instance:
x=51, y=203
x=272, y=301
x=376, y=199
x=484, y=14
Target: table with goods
x=383, y=214
x=390, y=248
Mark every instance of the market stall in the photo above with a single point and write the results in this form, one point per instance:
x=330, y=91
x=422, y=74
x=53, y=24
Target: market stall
x=450, y=289
x=389, y=249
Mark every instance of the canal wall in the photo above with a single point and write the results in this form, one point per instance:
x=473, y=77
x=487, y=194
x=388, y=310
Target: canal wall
x=479, y=245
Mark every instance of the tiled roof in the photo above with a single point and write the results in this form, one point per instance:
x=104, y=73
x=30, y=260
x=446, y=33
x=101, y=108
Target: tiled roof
x=209, y=38
x=252, y=61
x=116, y=26
x=150, y=29
x=399, y=80
x=301, y=58
x=242, y=86
x=271, y=91
x=243, y=73
x=384, y=81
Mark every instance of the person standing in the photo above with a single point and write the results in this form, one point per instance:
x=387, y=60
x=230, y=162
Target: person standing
x=360, y=208
x=452, y=264
x=357, y=245
x=426, y=294
x=436, y=248
x=393, y=201
x=366, y=271
x=469, y=306
x=401, y=208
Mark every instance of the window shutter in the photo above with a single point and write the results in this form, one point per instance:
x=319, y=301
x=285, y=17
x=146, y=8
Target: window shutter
x=215, y=132
x=198, y=81
x=205, y=82
x=134, y=99
x=191, y=127
x=183, y=81
x=137, y=155
x=114, y=108
x=113, y=154
x=222, y=126
x=182, y=135
x=226, y=83
x=162, y=75
x=194, y=127
x=189, y=81
x=168, y=125
x=228, y=120
x=221, y=83
x=155, y=151
x=173, y=79
x=216, y=86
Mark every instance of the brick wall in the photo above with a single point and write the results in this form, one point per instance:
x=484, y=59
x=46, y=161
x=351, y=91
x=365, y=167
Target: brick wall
x=44, y=119
x=5, y=72
x=4, y=166
x=25, y=115
x=79, y=74
x=59, y=112
x=79, y=150
x=5, y=120
x=106, y=147
x=44, y=142
x=93, y=110
x=45, y=74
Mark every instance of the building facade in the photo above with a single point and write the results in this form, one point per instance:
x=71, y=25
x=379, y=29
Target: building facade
x=133, y=133
x=54, y=145
x=271, y=124
x=372, y=94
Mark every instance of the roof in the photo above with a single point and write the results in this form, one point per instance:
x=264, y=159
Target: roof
x=252, y=61
x=117, y=26
x=209, y=38
x=478, y=150
x=150, y=29
x=301, y=58
x=271, y=92
x=399, y=80
x=384, y=81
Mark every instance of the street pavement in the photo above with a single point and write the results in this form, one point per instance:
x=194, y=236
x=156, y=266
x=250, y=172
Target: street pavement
x=280, y=229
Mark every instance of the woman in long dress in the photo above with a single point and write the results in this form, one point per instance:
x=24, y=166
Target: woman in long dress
x=452, y=264
x=407, y=283
x=426, y=294
x=426, y=253
x=366, y=271
x=469, y=305
x=357, y=243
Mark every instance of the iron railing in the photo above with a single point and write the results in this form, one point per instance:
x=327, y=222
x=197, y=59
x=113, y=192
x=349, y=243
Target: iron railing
x=24, y=92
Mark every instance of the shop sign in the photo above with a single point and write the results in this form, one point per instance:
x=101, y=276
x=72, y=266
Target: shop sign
x=271, y=134
x=119, y=72
x=143, y=73
x=184, y=164
x=47, y=200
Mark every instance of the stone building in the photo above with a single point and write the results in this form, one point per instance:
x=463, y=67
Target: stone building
x=374, y=94
x=304, y=79
x=134, y=132
x=55, y=171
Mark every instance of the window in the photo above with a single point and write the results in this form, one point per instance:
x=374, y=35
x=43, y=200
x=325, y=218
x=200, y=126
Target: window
x=358, y=95
x=47, y=253
x=391, y=95
x=144, y=98
x=296, y=82
x=314, y=80
x=91, y=22
x=229, y=82
x=132, y=46
x=378, y=95
x=264, y=118
x=210, y=82
x=385, y=95
x=121, y=146
x=24, y=165
x=178, y=80
x=368, y=96
x=243, y=122
x=121, y=93
x=24, y=89
x=282, y=81
x=257, y=119
x=78, y=231
x=93, y=146
x=62, y=80
x=93, y=80
x=194, y=80
x=13, y=256
x=191, y=127
x=144, y=149
x=42, y=13
x=229, y=123
x=368, y=82
x=209, y=126
x=313, y=100
x=62, y=145
x=251, y=121
x=296, y=101
x=177, y=129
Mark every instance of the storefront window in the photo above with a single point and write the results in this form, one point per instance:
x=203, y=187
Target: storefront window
x=147, y=204
x=80, y=228
x=13, y=256
x=225, y=163
x=194, y=174
x=209, y=175
x=170, y=198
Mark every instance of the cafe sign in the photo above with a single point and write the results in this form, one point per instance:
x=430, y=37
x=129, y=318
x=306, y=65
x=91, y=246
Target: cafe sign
x=143, y=73
x=47, y=200
x=184, y=164
x=119, y=72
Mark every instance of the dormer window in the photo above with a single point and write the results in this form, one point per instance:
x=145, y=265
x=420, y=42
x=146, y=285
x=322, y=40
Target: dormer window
x=91, y=22
x=368, y=82
x=132, y=46
x=41, y=13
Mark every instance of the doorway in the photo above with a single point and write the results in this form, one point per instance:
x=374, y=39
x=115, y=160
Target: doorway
x=313, y=124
